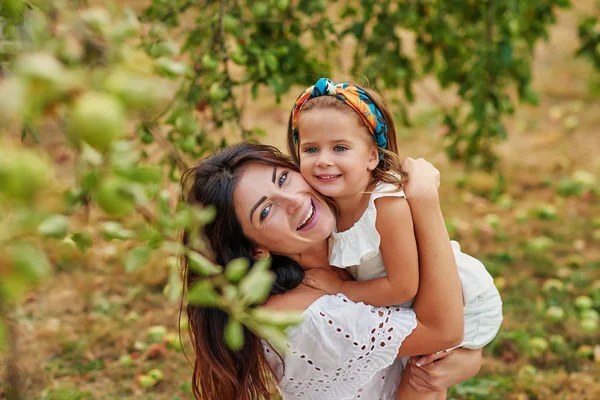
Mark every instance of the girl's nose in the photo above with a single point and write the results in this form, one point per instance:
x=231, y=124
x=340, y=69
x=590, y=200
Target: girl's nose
x=324, y=160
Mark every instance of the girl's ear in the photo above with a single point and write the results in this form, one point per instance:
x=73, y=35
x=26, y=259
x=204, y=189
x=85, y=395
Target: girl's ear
x=373, y=159
x=261, y=254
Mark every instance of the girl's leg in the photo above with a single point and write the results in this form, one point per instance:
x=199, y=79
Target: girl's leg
x=407, y=392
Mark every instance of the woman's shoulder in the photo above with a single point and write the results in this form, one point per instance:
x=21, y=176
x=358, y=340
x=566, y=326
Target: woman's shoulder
x=300, y=298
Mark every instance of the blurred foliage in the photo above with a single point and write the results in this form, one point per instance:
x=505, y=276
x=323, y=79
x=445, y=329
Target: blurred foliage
x=138, y=97
x=589, y=36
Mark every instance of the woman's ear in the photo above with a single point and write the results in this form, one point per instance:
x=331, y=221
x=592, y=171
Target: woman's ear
x=373, y=159
x=261, y=254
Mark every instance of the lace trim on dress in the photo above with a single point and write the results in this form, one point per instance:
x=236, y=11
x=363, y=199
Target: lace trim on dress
x=361, y=241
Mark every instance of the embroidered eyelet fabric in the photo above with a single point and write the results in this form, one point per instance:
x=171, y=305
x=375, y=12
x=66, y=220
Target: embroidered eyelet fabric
x=343, y=350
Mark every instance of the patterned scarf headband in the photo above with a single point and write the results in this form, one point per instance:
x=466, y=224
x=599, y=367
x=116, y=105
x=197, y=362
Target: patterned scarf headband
x=353, y=96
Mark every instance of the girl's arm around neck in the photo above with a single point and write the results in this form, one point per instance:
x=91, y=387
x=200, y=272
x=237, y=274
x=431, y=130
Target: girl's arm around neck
x=399, y=251
x=438, y=304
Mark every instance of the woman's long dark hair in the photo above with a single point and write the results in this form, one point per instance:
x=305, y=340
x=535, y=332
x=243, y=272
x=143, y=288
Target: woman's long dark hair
x=219, y=373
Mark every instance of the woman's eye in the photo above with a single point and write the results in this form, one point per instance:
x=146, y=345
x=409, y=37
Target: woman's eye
x=264, y=213
x=339, y=148
x=310, y=150
x=282, y=178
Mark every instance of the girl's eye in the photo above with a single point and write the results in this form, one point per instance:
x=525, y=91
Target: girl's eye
x=310, y=150
x=339, y=148
x=264, y=213
x=282, y=178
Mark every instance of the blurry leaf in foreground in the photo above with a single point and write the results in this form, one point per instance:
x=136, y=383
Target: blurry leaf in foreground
x=201, y=264
x=234, y=334
x=30, y=262
x=55, y=226
x=256, y=285
x=236, y=269
x=203, y=294
x=136, y=258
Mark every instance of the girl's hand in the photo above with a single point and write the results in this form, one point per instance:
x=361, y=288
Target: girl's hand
x=423, y=178
x=328, y=281
x=437, y=372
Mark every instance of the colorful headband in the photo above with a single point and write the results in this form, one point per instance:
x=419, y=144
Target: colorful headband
x=353, y=96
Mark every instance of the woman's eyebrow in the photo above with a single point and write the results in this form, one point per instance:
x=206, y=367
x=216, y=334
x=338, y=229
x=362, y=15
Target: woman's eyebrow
x=258, y=203
x=262, y=199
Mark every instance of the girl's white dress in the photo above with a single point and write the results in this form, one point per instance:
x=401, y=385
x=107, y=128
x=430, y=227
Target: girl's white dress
x=358, y=250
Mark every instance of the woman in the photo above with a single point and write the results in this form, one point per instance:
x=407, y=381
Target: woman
x=265, y=209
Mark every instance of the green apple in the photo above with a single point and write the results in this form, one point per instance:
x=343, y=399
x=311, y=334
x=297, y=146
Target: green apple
x=217, y=92
x=583, y=303
x=553, y=285
x=555, y=314
x=260, y=9
x=155, y=334
x=156, y=374
x=22, y=174
x=538, y=345
x=98, y=119
x=13, y=95
x=137, y=92
x=209, y=62
x=589, y=314
x=112, y=196
x=558, y=344
x=589, y=325
x=146, y=381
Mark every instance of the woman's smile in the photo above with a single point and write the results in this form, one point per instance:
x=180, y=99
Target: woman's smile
x=311, y=218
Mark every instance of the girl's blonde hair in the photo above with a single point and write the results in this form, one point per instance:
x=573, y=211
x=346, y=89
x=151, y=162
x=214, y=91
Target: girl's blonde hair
x=389, y=170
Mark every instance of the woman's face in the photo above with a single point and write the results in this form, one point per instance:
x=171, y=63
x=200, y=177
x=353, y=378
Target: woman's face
x=279, y=211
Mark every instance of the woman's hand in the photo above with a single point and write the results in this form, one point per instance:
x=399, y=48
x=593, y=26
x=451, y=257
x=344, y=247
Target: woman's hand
x=423, y=178
x=328, y=281
x=438, y=372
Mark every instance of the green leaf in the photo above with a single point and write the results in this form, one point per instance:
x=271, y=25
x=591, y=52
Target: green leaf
x=280, y=318
x=30, y=262
x=170, y=68
x=55, y=226
x=203, y=294
x=275, y=336
x=83, y=240
x=236, y=269
x=202, y=265
x=173, y=287
x=234, y=334
x=114, y=230
x=136, y=258
x=256, y=285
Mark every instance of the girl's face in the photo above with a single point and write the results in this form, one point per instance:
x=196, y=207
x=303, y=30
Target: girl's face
x=279, y=211
x=337, y=152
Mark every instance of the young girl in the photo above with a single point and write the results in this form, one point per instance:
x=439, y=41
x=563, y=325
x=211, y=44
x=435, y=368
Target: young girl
x=343, y=139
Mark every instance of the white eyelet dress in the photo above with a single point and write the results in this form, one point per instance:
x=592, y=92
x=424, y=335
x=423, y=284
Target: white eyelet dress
x=343, y=350
x=358, y=250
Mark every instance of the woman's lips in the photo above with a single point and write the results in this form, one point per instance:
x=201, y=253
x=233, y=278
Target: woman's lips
x=312, y=221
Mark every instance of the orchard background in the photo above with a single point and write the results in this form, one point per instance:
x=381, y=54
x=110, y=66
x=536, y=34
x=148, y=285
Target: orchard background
x=103, y=105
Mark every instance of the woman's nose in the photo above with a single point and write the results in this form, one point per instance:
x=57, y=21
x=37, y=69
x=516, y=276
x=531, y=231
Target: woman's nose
x=294, y=202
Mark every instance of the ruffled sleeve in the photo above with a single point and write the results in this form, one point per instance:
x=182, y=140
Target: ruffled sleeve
x=360, y=242
x=341, y=346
